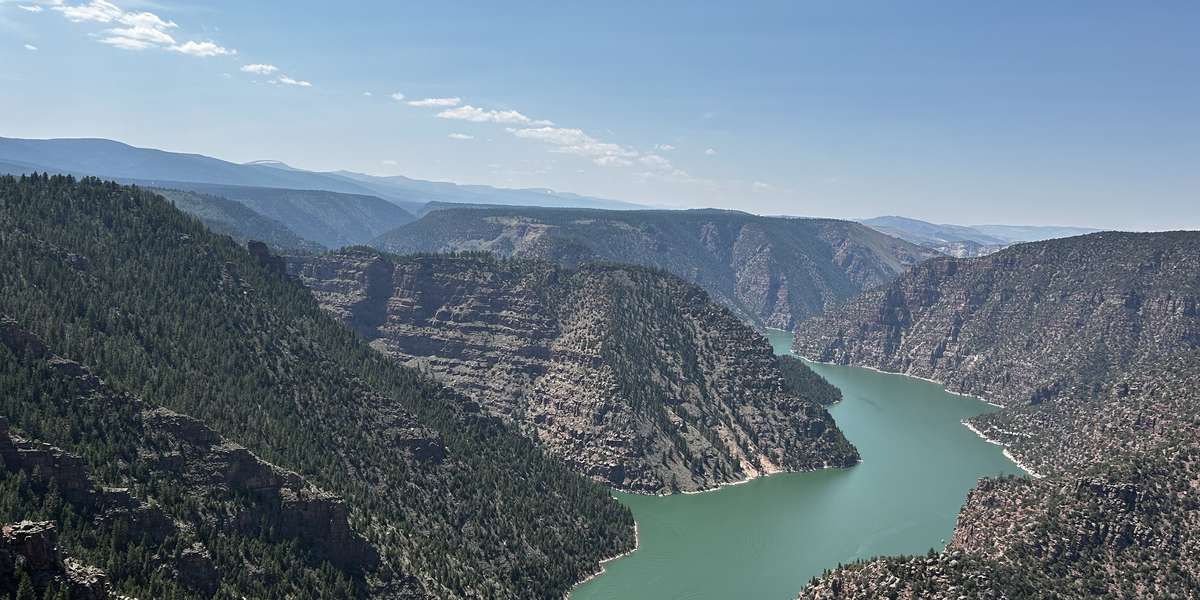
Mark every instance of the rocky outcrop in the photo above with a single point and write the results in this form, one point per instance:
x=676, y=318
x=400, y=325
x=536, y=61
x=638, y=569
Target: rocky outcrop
x=185, y=449
x=771, y=271
x=184, y=453
x=30, y=549
x=1027, y=323
x=630, y=375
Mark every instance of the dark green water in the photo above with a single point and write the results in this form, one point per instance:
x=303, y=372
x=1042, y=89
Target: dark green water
x=766, y=538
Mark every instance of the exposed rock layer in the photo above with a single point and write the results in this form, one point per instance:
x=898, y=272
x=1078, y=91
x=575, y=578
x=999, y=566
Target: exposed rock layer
x=631, y=375
x=1027, y=323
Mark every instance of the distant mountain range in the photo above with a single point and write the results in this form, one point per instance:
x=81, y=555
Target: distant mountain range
x=772, y=271
x=115, y=160
x=964, y=241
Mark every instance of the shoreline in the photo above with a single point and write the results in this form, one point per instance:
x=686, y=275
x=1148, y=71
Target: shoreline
x=1005, y=450
x=637, y=543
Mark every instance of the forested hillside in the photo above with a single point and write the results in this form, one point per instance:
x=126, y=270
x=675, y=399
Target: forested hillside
x=330, y=219
x=772, y=271
x=158, y=308
x=235, y=219
x=631, y=375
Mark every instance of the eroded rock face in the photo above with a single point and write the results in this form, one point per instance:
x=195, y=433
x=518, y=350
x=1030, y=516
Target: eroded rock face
x=773, y=272
x=31, y=548
x=186, y=452
x=632, y=376
x=1028, y=323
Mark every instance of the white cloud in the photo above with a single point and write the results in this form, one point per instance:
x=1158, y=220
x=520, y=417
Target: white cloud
x=389, y=163
x=140, y=31
x=259, y=69
x=96, y=10
x=397, y=96
x=461, y=136
x=436, y=102
x=368, y=94
x=31, y=47
x=664, y=147
x=760, y=186
x=285, y=80
x=710, y=152
x=125, y=43
x=575, y=141
x=655, y=161
x=612, y=161
x=30, y=7
x=202, y=49
x=479, y=115
x=137, y=37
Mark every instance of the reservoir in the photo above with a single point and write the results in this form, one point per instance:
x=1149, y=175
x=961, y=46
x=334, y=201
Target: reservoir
x=767, y=538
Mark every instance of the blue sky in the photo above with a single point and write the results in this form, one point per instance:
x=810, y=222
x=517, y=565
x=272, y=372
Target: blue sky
x=1084, y=113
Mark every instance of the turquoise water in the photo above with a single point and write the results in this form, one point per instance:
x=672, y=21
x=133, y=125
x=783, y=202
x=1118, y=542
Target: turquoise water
x=767, y=538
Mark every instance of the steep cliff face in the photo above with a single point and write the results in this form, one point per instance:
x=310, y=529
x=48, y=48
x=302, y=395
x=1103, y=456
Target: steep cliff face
x=771, y=271
x=630, y=375
x=1096, y=337
x=1027, y=323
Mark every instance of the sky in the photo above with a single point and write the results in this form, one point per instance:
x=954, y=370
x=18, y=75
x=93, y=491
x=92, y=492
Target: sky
x=1029, y=112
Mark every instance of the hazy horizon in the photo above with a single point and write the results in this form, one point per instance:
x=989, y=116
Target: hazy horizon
x=1017, y=114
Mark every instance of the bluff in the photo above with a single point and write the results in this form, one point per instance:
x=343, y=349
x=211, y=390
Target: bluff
x=772, y=271
x=1091, y=342
x=630, y=375
x=1027, y=323
x=245, y=384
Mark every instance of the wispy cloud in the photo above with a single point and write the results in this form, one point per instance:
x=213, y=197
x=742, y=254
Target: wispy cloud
x=479, y=115
x=285, y=80
x=575, y=141
x=259, y=69
x=664, y=147
x=436, y=102
x=134, y=30
x=389, y=163
x=397, y=96
x=710, y=152
x=368, y=94
x=461, y=136
x=202, y=49
x=31, y=47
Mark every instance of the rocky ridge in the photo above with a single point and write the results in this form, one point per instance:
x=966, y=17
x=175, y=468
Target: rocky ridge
x=628, y=374
x=772, y=271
